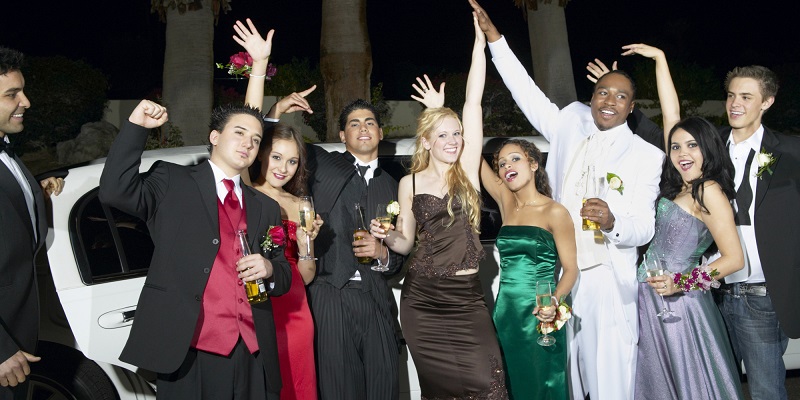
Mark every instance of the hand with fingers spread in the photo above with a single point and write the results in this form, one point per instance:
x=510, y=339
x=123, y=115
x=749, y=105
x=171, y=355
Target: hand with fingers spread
x=259, y=48
x=598, y=69
x=431, y=98
x=292, y=103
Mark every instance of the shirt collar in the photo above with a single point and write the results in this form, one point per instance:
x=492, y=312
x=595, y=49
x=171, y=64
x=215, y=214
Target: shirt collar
x=219, y=176
x=753, y=142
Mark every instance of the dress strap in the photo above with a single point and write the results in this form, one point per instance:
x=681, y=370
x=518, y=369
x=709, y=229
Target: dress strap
x=413, y=185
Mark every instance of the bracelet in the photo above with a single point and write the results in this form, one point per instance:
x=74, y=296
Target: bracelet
x=699, y=278
x=258, y=76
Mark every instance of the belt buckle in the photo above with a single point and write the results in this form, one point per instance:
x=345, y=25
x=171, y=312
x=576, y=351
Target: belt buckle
x=754, y=289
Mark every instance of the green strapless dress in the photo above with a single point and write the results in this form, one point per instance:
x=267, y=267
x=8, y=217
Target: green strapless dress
x=527, y=254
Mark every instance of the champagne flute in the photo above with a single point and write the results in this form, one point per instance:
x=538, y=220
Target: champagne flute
x=383, y=217
x=307, y=216
x=544, y=298
x=654, y=267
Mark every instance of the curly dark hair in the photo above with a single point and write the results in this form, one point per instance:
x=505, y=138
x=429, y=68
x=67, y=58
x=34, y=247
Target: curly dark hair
x=534, y=154
x=10, y=60
x=358, y=104
x=297, y=185
x=717, y=165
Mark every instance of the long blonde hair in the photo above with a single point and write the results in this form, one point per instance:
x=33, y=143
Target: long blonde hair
x=458, y=184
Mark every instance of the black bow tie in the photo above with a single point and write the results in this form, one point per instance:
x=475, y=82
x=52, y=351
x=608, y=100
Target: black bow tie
x=7, y=147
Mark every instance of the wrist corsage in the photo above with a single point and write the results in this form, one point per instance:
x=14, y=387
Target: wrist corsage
x=241, y=64
x=563, y=314
x=274, y=240
x=699, y=278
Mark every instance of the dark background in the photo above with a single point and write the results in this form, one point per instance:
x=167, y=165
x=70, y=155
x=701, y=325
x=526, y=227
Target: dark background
x=126, y=41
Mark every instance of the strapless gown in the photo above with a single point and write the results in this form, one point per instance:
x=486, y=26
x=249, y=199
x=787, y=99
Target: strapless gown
x=445, y=321
x=294, y=330
x=687, y=356
x=527, y=255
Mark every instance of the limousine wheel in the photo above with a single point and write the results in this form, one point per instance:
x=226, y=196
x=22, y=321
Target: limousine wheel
x=64, y=374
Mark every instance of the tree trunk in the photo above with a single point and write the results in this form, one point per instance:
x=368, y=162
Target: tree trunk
x=188, y=71
x=552, y=64
x=345, y=58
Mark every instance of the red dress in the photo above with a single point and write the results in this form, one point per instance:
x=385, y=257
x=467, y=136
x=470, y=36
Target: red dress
x=295, y=331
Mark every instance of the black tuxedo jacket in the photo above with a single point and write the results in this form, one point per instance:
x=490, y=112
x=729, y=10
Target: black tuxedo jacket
x=19, y=300
x=777, y=217
x=179, y=204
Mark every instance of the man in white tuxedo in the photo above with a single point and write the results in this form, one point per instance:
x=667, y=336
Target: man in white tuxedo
x=605, y=325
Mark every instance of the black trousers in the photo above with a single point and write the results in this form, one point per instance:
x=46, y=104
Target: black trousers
x=356, y=349
x=208, y=376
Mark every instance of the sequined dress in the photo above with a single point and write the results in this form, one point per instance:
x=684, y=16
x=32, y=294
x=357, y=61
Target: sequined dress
x=528, y=254
x=294, y=330
x=687, y=356
x=445, y=321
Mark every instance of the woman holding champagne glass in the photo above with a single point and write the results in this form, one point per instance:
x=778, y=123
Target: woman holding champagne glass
x=445, y=321
x=279, y=172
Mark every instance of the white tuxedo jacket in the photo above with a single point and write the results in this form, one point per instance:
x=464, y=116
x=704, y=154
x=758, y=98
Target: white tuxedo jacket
x=635, y=161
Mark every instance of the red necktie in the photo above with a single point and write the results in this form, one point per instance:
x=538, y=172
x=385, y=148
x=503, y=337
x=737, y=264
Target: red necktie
x=232, y=207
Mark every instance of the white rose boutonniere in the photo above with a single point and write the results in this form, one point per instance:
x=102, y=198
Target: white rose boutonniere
x=615, y=182
x=765, y=162
x=393, y=209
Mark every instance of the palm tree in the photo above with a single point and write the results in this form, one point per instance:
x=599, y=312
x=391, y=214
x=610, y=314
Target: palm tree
x=188, y=63
x=552, y=64
x=345, y=58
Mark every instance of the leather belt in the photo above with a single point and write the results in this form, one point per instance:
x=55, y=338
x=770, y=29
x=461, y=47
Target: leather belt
x=740, y=289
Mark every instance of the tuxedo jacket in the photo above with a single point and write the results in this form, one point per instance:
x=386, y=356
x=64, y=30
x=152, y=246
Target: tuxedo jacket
x=776, y=219
x=336, y=187
x=19, y=300
x=180, y=205
x=636, y=162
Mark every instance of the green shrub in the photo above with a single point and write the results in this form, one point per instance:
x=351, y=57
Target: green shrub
x=64, y=95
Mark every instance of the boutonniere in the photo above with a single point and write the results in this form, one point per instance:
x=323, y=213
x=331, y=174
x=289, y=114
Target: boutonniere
x=274, y=239
x=393, y=209
x=563, y=314
x=765, y=163
x=615, y=182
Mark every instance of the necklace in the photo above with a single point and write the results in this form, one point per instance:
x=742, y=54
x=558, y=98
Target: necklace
x=525, y=204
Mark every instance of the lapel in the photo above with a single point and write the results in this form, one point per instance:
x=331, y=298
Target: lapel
x=9, y=187
x=770, y=144
x=252, y=209
x=204, y=178
x=38, y=202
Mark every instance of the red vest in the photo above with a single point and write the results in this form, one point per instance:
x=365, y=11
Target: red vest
x=225, y=313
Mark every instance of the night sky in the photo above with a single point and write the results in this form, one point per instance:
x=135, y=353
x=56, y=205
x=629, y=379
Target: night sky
x=410, y=37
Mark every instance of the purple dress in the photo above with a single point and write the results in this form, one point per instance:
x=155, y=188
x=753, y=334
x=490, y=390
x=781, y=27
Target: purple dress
x=688, y=355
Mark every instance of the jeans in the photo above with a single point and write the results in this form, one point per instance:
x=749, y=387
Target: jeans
x=757, y=338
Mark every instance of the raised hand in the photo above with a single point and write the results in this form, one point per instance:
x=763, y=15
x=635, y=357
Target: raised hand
x=598, y=69
x=430, y=97
x=485, y=24
x=292, y=103
x=249, y=38
x=642, y=49
x=148, y=114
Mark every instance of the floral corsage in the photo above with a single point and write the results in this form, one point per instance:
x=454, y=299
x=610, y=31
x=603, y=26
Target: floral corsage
x=699, y=278
x=393, y=210
x=615, y=182
x=274, y=240
x=241, y=64
x=765, y=162
x=563, y=314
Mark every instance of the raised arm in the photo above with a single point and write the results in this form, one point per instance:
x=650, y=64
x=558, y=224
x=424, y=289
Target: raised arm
x=670, y=105
x=473, y=112
x=260, y=49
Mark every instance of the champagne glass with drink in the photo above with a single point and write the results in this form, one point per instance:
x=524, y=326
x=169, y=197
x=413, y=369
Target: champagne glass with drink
x=307, y=216
x=383, y=217
x=361, y=231
x=256, y=290
x=654, y=267
x=544, y=299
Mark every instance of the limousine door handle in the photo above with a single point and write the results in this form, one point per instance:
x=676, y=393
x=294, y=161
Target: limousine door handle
x=117, y=318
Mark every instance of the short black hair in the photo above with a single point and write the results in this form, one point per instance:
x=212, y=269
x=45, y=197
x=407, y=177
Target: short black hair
x=358, y=104
x=625, y=75
x=222, y=114
x=10, y=60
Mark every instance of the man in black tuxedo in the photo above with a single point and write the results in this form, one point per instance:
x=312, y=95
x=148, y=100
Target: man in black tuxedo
x=23, y=227
x=194, y=325
x=759, y=302
x=356, y=340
